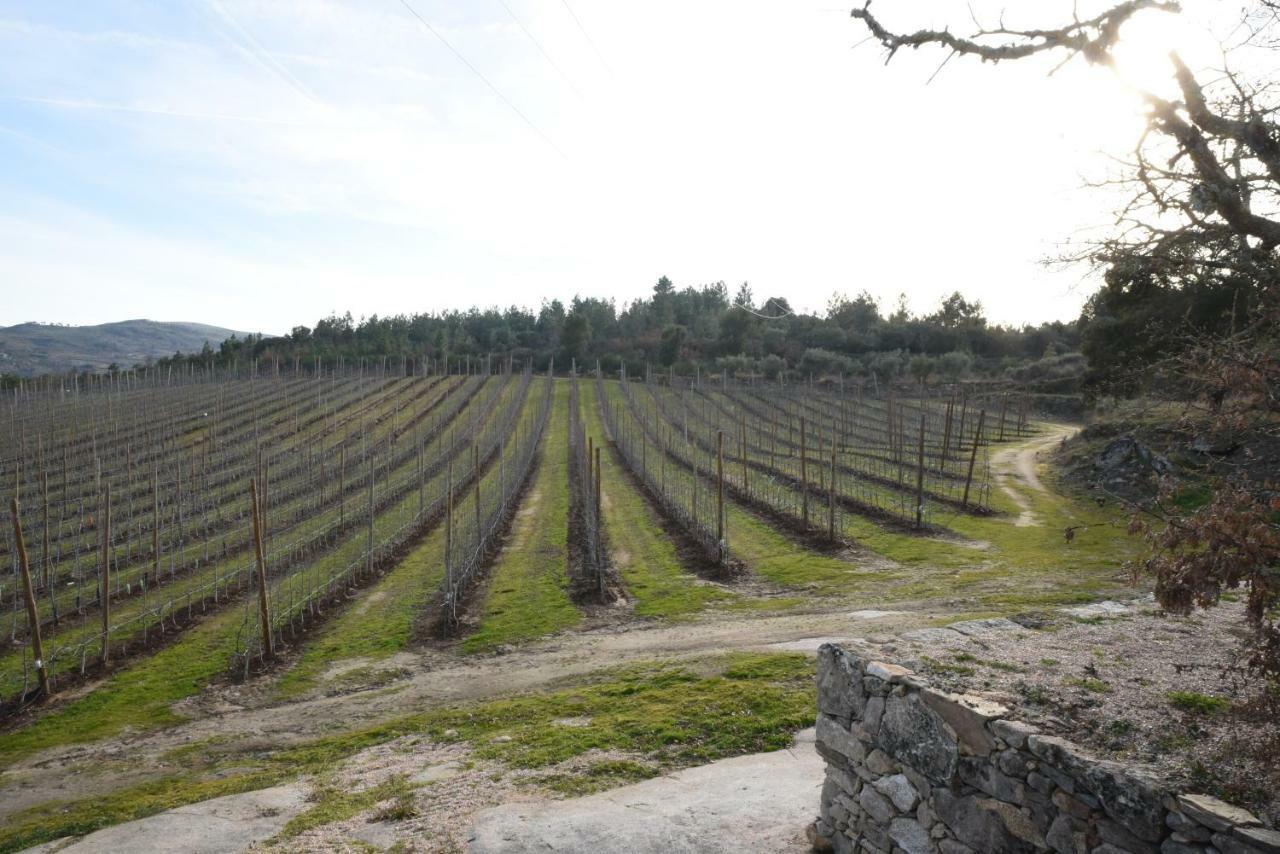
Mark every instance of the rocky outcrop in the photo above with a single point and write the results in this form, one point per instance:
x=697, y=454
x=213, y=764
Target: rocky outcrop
x=916, y=770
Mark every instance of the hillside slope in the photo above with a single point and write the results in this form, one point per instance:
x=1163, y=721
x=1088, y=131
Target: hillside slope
x=36, y=348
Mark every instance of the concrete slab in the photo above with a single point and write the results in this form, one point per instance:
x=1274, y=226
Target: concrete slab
x=809, y=644
x=986, y=628
x=1097, y=609
x=935, y=638
x=759, y=803
x=220, y=826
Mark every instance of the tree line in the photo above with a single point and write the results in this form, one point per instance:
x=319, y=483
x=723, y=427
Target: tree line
x=684, y=329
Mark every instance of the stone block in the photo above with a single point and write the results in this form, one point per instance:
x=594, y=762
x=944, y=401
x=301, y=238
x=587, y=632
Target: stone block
x=835, y=737
x=871, y=716
x=879, y=763
x=1066, y=836
x=978, y=823
x=1012, y=733
x=839, y=683
x=1193, y=830
x=898, y=789
x=968, y=716
x=876, y=805
x=1013, y=763
x=984, y=777
x=891, y=673
x=1215, y=814
x=915, y=735
x=1262, y=838
x=1176, y=846
x=908, y=835
x=1229, y=844
x=1119, y=836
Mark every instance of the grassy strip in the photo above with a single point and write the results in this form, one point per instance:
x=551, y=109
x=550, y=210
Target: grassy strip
x=642, y=551
x=528, y=596
x=139, y=695
x=381, y=622
x=670, y=716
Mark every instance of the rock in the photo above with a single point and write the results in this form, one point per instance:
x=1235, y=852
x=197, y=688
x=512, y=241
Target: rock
x=1214, y=813
x=876, y=805
x=871, y=715
x=879, y=763
x=1116, y=834
x=1061, y=836
x=1040, y=783
x=910, y=836
x=1013, y=763
x=968, y=715
x=1097, y=609
x=1262, y=838
x=888, y=672
x=1013, y=733
x=987, y=628
x=976, y=823
x=934, y=638
x=1176, y=846
x=980, y=774
x=839, y=683
x=898, y=789
x=817, y=841
x=1126, y=451
x=1228, y=844
x=916, y=736
x=1192, y=830
x=950, y=846
x=833, y=736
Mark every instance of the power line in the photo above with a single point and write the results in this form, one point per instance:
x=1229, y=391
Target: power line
x=542, y=50
x=477, y=73
x=586, y=35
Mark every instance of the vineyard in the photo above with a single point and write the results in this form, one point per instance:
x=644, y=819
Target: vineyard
x=257, y=507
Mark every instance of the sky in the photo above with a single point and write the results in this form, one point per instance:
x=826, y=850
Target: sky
x=259, y=164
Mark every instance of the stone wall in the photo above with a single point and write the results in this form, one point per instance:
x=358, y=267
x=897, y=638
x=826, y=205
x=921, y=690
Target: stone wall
x=912, y=769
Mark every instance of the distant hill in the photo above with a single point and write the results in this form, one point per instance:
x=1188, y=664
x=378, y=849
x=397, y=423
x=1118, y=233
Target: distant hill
x=36, y=348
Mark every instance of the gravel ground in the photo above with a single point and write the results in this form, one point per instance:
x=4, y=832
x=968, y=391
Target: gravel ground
x=1112, y=685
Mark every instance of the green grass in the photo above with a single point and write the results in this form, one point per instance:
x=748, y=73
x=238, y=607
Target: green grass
x=334, y=803
x=777, y=557
x=664, y=716
x=528, y=595
x=646, y=557
x=1197, y=703
x=139, y=695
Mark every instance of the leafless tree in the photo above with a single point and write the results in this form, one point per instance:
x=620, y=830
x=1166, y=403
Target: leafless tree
x=1202, y=199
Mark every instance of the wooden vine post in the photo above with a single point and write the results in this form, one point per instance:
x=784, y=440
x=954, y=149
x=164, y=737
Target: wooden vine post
x=720, y=491
x=106, y=577
x=831, y=498
x=920, y=475
x=973, y=456
x=1004, y=407
x=804, y=476
x=28, y=594
x=475, y=474
x=264, y=595
x=597, y=484
x=742, y=449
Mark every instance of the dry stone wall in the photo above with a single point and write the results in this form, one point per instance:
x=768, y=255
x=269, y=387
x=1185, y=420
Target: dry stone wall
x=916, y=770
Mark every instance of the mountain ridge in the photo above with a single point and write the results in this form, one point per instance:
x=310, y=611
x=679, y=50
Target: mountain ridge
x=32, y=348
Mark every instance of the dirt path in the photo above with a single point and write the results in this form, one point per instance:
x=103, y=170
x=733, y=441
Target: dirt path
x=232, y=715
x=1014, y=468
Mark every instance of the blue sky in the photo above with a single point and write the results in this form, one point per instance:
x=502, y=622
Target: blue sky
x=260, y=163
